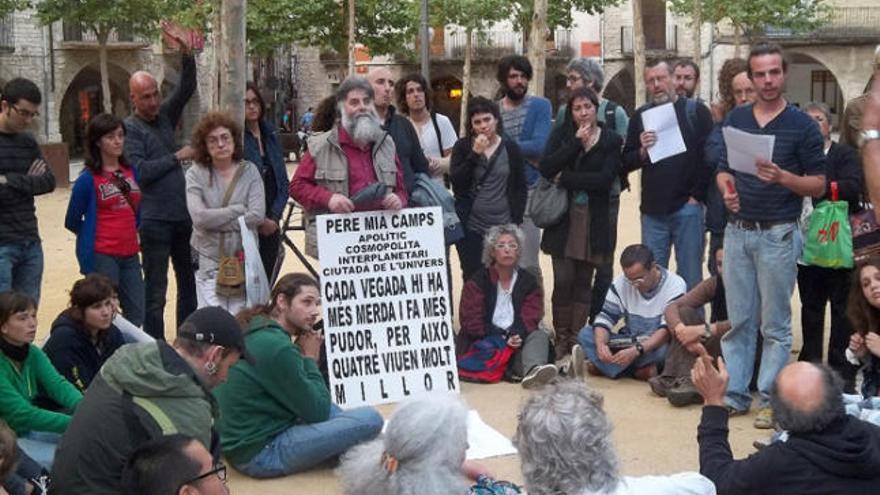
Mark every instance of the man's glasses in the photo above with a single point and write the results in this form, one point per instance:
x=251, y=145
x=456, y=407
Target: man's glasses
x=25, y=113
x=219, y=471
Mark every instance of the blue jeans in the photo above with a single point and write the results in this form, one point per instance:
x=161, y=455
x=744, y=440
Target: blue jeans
x=682, y=229
x=125, y=273
x=21, y=267
x=40, y=446
x=161, y=240
x=759, y=275
x=303, y=446
x=587, y=340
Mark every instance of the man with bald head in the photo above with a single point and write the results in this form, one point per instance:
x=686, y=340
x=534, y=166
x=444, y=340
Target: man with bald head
x=827, y=451
x=406, y=140
x=165, y=227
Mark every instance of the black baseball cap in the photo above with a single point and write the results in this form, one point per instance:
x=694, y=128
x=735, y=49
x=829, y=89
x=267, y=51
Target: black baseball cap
x=214, y=325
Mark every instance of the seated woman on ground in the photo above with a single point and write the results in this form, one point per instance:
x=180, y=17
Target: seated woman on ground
x=422, y=451
x=83, y=336
x=501, y=306
x=19, y=474
x=24, y=371
x=276, y=416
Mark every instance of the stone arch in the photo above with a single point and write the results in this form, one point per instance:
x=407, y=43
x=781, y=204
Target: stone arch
x=447, y=97
x=811, y=79
x=850, y=64
x=82, y=100
x=621, y=89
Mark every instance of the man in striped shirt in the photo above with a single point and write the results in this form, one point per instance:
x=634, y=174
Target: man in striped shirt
x=23, y=175
x=760, y=241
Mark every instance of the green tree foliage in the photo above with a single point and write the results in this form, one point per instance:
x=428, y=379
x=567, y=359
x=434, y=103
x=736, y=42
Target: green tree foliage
x=753, y=16
x=383, y=26
x=10, y=6
x=559, y=12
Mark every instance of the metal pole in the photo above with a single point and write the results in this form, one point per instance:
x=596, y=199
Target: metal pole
x=425, y=35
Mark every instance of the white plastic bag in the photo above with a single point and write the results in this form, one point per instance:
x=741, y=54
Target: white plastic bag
x=256, y=285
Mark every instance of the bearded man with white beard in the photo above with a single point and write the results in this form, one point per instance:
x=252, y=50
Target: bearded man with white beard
x=351, y=167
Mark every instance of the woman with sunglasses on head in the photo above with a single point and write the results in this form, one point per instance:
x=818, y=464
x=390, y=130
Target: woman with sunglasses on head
x=103, y=213
x=220, y=188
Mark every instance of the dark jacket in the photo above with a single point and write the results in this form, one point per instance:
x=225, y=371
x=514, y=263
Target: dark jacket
x=593, y=172
x=408, y=146
x=461, y=173
x=274, y=176
x=478, y=305
x=143, y=392
x=150, y=148
x=667, y=185
x=844, y=458
x=18, y=220
x=74, y=355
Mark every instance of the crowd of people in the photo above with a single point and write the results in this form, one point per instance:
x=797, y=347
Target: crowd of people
x=247, y=380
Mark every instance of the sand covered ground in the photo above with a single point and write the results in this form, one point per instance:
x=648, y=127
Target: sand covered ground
x=651, y=436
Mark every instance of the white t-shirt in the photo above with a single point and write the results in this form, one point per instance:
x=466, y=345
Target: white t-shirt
x=428, y=136
x=503, y=315
x=688, y=483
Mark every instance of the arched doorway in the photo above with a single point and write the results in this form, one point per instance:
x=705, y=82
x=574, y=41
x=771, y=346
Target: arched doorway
x=621, y=89
x=447, y=98
x=83, y=100
x=809, y=80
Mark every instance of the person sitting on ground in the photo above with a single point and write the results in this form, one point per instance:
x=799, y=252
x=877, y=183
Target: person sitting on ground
x=145, y=391
x=583, y=158
x=221, y=187
x=692, y=336
x=422, y=451
x=863, y=309
x=7, y=455
x=276, y=416
x=25, y=372
x=638, y=296
x=83, y=336
x=103, y=213
x=19, y=474
x=173, y=465
x=564, y=443
x=827, y=451
x=501, y=307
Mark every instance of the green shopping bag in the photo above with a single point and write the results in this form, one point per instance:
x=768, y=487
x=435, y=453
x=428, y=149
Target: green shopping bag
x=829, y=235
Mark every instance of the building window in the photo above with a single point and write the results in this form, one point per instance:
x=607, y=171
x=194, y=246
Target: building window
x=824, y=89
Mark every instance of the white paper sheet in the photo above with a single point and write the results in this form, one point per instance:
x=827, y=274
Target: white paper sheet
x=662, y=120
x=745, y=149
x=484, y=441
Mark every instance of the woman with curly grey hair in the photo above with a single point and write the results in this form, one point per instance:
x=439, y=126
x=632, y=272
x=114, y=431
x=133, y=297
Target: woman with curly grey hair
x=501, y=306
x=564, y=443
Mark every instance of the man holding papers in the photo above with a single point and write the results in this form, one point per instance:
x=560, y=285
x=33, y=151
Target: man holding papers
x=665, y=139
x=760, y=241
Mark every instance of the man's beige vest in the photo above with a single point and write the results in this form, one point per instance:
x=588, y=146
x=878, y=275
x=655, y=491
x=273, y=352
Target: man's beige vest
x=331, y=173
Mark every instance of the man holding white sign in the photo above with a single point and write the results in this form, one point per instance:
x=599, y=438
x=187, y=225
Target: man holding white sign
x=386, y=307
x=665, y=140
x=351, y=167
x=760, y=244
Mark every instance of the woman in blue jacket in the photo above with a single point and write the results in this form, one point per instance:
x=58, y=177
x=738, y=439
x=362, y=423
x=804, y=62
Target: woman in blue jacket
x=103, y=213
x=261, y=147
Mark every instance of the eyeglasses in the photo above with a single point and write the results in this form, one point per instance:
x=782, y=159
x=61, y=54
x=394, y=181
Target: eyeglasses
x=25, y=113
x=574, y=78
x=635, y=282
x=220, y=471
x=507, y=245
x=215, y=140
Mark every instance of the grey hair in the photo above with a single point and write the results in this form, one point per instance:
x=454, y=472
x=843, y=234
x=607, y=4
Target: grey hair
x=588, y=69
x=817, y=106
x=428, y=438
x=564, y=441
x=492, y=237
x=352, y=83
x=796, y=420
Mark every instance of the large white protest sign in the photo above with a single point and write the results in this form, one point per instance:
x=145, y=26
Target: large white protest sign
x=385, y=302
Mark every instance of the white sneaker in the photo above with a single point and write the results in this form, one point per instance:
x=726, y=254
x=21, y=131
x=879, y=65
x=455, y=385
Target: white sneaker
x=577, y=362
x=539, y=376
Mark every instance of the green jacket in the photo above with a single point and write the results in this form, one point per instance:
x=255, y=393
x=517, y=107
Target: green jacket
x=260, y=401
x=143, y=391
x=19, y=387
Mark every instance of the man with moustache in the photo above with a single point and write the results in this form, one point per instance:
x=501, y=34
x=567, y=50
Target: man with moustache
x=687, y=77
x=526, y=120
x=760, y=240
x=351, y=167
x=406, y=140
x=674, y=188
